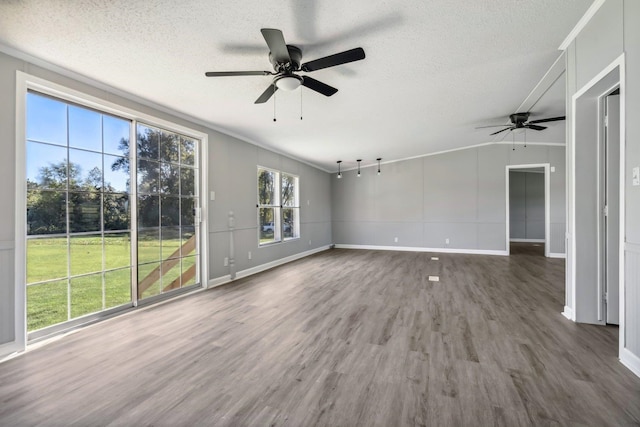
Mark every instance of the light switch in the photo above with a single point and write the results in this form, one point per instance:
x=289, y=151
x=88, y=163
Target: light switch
x=213, y=195
x=553, y=168
x=636, y=175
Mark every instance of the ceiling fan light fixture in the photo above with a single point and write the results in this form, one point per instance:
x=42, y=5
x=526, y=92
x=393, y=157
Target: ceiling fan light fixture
x=289, y=82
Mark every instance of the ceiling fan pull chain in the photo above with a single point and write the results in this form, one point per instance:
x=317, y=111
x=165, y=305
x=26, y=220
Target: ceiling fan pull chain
x=301, y=104
x=513, y=139
x=525, y=138
x=274, y=103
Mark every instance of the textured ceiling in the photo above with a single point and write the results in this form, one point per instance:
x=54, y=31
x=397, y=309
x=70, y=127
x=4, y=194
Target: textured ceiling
x=434, y=69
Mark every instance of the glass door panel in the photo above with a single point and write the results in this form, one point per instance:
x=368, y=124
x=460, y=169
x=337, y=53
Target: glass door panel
x=167, y=203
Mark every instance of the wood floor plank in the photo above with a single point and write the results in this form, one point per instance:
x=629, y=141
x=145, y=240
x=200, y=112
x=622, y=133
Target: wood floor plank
x=341, y=338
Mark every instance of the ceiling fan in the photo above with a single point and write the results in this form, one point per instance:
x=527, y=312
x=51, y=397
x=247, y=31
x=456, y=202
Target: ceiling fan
x=521, y=121
x=286, y=63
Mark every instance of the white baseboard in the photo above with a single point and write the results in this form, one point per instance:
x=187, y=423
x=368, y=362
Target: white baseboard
x=420, y=249
x=527, y=240
x=263, y=267
x=568, y=313
x=557, y=255
x=631, y=361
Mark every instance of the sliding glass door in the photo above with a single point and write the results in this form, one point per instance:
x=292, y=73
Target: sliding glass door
x=167, y=203
x=82, y=210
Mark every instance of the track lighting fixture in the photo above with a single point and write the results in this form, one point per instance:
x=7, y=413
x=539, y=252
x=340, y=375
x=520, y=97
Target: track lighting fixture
x=378, y=159
x=359, y=160
x=339, y=173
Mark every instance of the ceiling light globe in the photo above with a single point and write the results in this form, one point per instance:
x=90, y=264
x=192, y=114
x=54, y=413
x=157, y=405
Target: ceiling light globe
x=289, y=83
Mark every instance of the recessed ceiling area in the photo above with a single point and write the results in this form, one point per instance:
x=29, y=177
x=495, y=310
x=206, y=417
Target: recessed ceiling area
x=433, y=70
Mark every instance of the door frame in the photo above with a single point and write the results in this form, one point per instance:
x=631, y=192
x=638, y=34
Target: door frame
x=617, y=66
x=25, y=82
x=547, y=207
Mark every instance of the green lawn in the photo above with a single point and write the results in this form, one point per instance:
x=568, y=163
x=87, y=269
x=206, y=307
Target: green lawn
x=60, y=300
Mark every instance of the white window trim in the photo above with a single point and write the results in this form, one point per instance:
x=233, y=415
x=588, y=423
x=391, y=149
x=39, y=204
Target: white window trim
x=26, y=82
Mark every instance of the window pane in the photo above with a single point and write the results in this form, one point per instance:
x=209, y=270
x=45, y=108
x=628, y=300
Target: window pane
x=46, y=119
x=189, y=271
x=46, y=304
x=117, y=287
x=148, y=280
x=84, y=212
x=171, y=275
x=115, y=133
x=289, y=195
x=187, y=151
x=148, y=176
x=148, y=211
x=116, y=174
x=188, y=241
x=187, y=181
x=117, y=250
x=186, y=211
x=85, y=170
x=268, y=227
x=46, y=166
x=267, y=181
x=46, y=259
x=169, y=147
x=290, y=222
x=85, y=128
x=149, y=245
x=169, y=178
x=148, y=140
x=169, y=211
x=170, y=242
x=46, y=212
x=86, y=254
x=116, y=211
x=86, y=295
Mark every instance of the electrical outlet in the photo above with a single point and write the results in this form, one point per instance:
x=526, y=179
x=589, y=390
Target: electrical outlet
x=446, y=241
x=636, y=176
x=249, y=254
x=395, y=239
x=309, y=242
x=226, y=262
x=308, y=202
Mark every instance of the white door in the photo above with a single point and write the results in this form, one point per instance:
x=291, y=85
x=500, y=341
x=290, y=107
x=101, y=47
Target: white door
x=612, y=202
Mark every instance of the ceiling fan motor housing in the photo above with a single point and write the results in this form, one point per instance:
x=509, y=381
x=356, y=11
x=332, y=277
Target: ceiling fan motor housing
x=296, y=56
x=519, y=119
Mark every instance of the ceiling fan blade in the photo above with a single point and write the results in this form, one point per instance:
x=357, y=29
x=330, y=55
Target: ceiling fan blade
x=318, y=86
x=236, y=73
x=333, y=60
x=495, y=133
x=534, y=127
x=277, y=46
x=492, y=126
x=266, y=94
x=551, y=119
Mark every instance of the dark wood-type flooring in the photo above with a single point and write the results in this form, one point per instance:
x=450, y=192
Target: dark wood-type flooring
x=341, y=338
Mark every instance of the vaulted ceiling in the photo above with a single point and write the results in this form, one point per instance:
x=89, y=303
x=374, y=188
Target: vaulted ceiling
x=434, y=70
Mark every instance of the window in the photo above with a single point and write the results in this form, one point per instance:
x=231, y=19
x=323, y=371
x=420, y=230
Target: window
x=78, y=217
x=278, y=206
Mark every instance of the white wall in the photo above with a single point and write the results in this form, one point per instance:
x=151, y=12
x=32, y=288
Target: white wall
x=460, y=195
x=232, y=175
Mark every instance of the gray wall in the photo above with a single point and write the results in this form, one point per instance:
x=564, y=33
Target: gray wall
x=460, y=195
x=526, y=205
x=613, y=30
x=232, y=175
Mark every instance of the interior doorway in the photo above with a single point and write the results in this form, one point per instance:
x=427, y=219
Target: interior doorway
x=527, y=205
